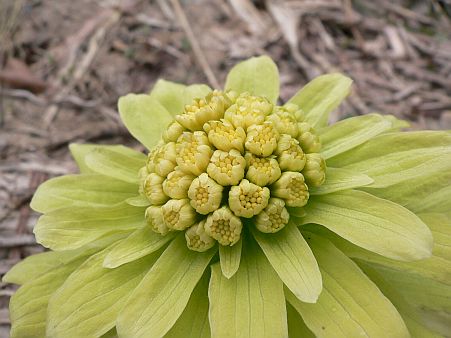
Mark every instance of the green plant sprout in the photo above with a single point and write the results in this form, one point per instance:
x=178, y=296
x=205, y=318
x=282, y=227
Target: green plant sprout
x=245, y=219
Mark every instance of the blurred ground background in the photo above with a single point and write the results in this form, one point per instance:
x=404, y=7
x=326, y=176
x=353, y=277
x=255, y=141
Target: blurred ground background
x=63, y=65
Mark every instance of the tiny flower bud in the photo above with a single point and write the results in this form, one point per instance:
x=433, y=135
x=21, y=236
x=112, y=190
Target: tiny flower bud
x=232, y=95
x=154, y=217
x=153, y=189
x=193, y=152
x=284, y=121
x=307, y=138
x=289, y=154
x=248, y=199
x=173, y=132
x=188, y=118
x=216, y=104
x=178, y=214
x=164, y=160
x=315, y=170
x=262, y=171
x=292, y=188
x=227, y=168
x=274, y=217
x=224, y=226
x=177, y=183
x=261, y=139
x=205, y=194
x=295, y=110
x=150, y=164
x=197, y=239
x=248, y=110
x=223, y=135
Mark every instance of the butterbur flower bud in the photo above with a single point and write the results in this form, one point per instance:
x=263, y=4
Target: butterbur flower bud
x=307, y=138
x=177, y=183
x=153, y=189
x=292, y=188
x=295, y=110
x=261, y=139
x=178, y=214
x=173, y=132
x=154, y=218
x=262, y=170
x=165, y=159
x=248, y=110
x=188, y=118
x=224, y=226
x=284, y=121
x=227, y=168
x=193, y=152
x=150, y=163
x=274, y=217
x=314, y=170
x=216, y=104
x=205, y=194
x=197, y=239
x=248, y=199
x=224, y=136
x=289, y=154
x=142, y=175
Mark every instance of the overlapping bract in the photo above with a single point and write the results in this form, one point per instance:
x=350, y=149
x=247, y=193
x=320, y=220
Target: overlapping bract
x=367, y=256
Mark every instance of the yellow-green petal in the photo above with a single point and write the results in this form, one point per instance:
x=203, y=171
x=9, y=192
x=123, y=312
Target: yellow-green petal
x=292, y=259
x=350, y=305
x=373, y=223
x=195, y=91
x=169, y=95
x=230, y=257
x=28, y=306
x=71, y=228
x=80, y=190
x=350, y=133
x=296, y=325
x=116, y=165
x=251, y=303
x=193, y=323
x=144, y=117
x=159, y=300
x=139, y=243
x=258, y=76
x=341, y=179
x=321, y=96
x=88, y=302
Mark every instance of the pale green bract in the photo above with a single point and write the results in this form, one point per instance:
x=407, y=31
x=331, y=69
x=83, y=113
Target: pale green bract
x=346, y=233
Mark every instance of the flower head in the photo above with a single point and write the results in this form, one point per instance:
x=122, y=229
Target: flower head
x=239, y=209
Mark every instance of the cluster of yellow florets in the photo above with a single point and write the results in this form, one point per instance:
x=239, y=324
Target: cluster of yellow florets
x=227, y=158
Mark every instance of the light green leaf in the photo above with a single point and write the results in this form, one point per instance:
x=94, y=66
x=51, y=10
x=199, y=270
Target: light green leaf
x=139, y=243
x=350, y=133
x=292, y=259
x=340, y=179
x=296, y=325
x=144, y=117
x=321, y=96
x=389, y=143
x=193, y=323
x=408, y=166
x=163, y=294
x=169, y=95
x=258, y=76
x=251, y=303
x=116, y=165
x=110, y=334
x=396, y=124
x=138, y=201
x=436, y=200
x=28, y=306
x=350, y=305
x=421, y=292
x=407, y=312
x=88, y=302
x=440, y=225
x=195, y=91
x=35, y=266
x=79, y=152
x=230, y=257
x=71, y=228
x=372, y=223
x=438, y=266
x=80, y=190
